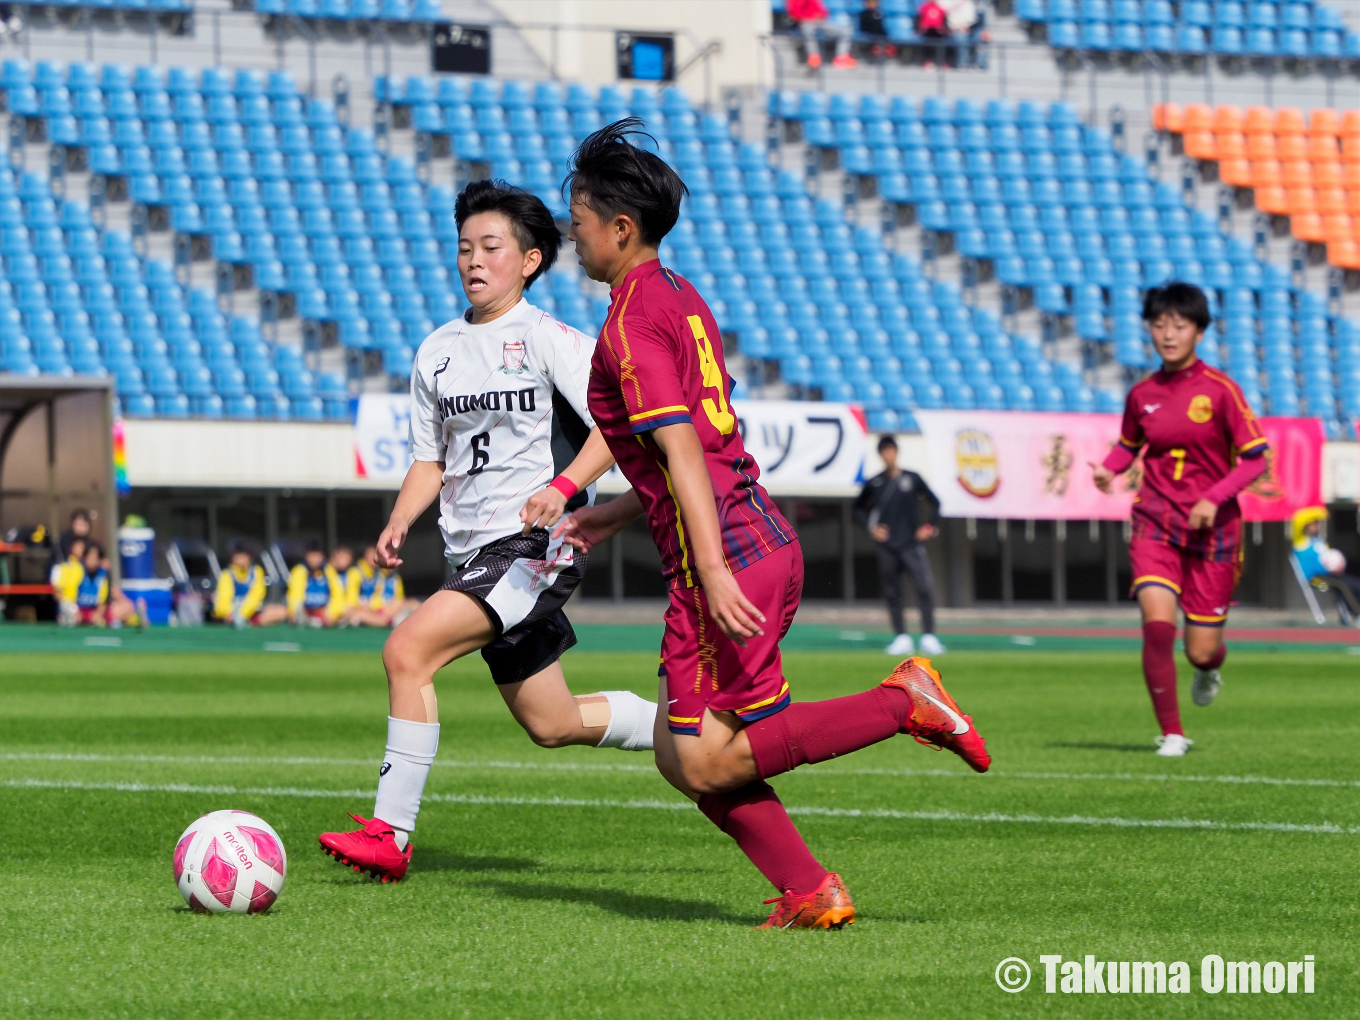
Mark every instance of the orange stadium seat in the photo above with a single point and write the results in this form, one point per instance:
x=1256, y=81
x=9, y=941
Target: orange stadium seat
x=1261, y=147
x=1265, y=173
x=1289, y=121
x=1236, y=172
x=1232, y=145
x=1201, y=144
x=1322, y=147
x=1307, y=227
x=1353, y=204
x=1327, y=174
x=1350, y=124
x=1345, y=254
x=1228, y=119
x=1350, y=176
x=1296, y=173
x=1338, y=228
x=1301, y=200
x=1330, y=200
x=1324, y=123
x=1168, y=117
x=1291, y=146
x=1260, y=120
x=1350, y=148
x=1272, y=199
x=1198, y=117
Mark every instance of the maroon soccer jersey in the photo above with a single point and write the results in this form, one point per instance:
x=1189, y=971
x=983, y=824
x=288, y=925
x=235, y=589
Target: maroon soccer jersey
x=659, y=361
x=1194, y=423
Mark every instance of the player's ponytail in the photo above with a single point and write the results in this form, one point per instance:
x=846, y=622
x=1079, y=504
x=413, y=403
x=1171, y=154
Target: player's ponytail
x=614, y=177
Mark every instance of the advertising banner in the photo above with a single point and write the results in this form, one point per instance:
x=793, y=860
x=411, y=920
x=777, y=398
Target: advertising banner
x=1017, y=465
x=803, y=448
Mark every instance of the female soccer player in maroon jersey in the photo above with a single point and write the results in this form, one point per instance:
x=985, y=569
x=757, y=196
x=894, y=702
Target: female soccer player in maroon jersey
x=1202, y=446
x=659, y=395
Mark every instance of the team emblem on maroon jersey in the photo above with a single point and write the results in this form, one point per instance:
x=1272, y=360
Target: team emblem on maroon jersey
x=513, y=355
x=1201, y=409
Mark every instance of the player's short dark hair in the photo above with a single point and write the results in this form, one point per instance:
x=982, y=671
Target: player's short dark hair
x=614, y=177
x=530, y=220
x=92, y=545
x=315, y=545
x=886, y=442
x=240, y=546
x=81, y=514
x=1183, y=299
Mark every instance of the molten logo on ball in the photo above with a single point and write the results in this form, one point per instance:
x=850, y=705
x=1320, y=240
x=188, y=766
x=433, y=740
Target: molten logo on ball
x=230, y=861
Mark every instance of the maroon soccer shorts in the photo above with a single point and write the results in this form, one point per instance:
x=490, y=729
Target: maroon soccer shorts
x=1203, y=587
x=706, y=669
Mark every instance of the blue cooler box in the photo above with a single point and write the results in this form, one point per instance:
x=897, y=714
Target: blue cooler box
x=137, y=549
x=155, y=592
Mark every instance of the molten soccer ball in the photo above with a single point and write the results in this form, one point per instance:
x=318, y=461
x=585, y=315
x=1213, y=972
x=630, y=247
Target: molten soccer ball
x=230, y=861
x=1333, y=561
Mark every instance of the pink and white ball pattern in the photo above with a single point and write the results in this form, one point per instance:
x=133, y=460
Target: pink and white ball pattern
x=230, y=861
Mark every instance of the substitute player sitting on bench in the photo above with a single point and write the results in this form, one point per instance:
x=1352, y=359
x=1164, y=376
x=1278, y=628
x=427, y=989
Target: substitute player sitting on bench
x=241, y=591
x=1324, y=567
x=316, y=591
x=377, y=598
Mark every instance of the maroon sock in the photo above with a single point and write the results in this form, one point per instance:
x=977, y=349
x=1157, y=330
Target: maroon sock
x=1159, y=670
x=1215, y=660
x=813, y=731
x=755, y=817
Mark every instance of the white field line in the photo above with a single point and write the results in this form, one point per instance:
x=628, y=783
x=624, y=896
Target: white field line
x=1325, y=828
x=524, y=766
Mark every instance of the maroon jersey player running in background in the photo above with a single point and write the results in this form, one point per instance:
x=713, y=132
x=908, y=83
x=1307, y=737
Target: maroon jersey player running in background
x=1202, y=446
x=659, y=393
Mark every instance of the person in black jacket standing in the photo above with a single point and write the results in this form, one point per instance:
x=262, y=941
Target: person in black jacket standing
x=890, y=508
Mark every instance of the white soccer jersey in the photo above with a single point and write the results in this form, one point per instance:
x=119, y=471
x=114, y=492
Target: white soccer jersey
x=502, y=405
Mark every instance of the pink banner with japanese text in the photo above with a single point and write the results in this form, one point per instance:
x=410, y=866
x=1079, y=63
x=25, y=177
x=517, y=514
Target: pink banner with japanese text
x=1036, y=466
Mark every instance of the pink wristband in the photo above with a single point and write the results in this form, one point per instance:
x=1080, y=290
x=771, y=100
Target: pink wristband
x=564, y=485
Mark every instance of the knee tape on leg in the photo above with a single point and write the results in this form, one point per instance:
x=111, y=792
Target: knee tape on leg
x=431, y=703
x=594, y=713
x=631, y=721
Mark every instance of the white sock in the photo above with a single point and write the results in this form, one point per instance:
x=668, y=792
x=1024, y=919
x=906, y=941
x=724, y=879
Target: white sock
x=411, y=747
x=631, y=720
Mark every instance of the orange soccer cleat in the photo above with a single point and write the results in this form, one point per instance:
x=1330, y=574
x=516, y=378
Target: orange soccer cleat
x=372, y=849
x=935, y=717
x=827, y=906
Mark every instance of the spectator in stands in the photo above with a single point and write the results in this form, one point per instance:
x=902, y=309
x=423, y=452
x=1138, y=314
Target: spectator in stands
x=1319, y=561
x=241, y=591
x=964, y=21
x=80, y=527
x=316, y=591
x=890, y=508
x=376, y=595
x=874, y=32
x=816, y=24
x=933, y=27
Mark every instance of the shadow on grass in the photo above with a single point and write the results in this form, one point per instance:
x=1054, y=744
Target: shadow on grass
x=1101, y=746
x=443, y=860
x=648, y=908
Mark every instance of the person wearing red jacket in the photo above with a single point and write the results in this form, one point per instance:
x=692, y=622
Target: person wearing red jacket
x=816, y=24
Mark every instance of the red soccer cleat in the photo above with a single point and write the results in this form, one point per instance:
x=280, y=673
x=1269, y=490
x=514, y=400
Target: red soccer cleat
x=827, y=906
x=372, y=849
x=935, y=718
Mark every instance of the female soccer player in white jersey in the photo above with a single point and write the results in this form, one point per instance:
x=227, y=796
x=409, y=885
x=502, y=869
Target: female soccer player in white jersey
x=499, y=430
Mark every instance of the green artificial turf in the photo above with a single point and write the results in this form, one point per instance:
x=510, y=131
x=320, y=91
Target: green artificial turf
x=575, y=883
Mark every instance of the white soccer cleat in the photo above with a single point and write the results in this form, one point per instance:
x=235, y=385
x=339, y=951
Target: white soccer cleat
x=902, y=645
x=930, y=645
x=1173, y=745
x=1205, y=686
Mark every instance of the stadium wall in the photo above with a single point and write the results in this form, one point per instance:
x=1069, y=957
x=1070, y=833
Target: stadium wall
x=576, y=39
